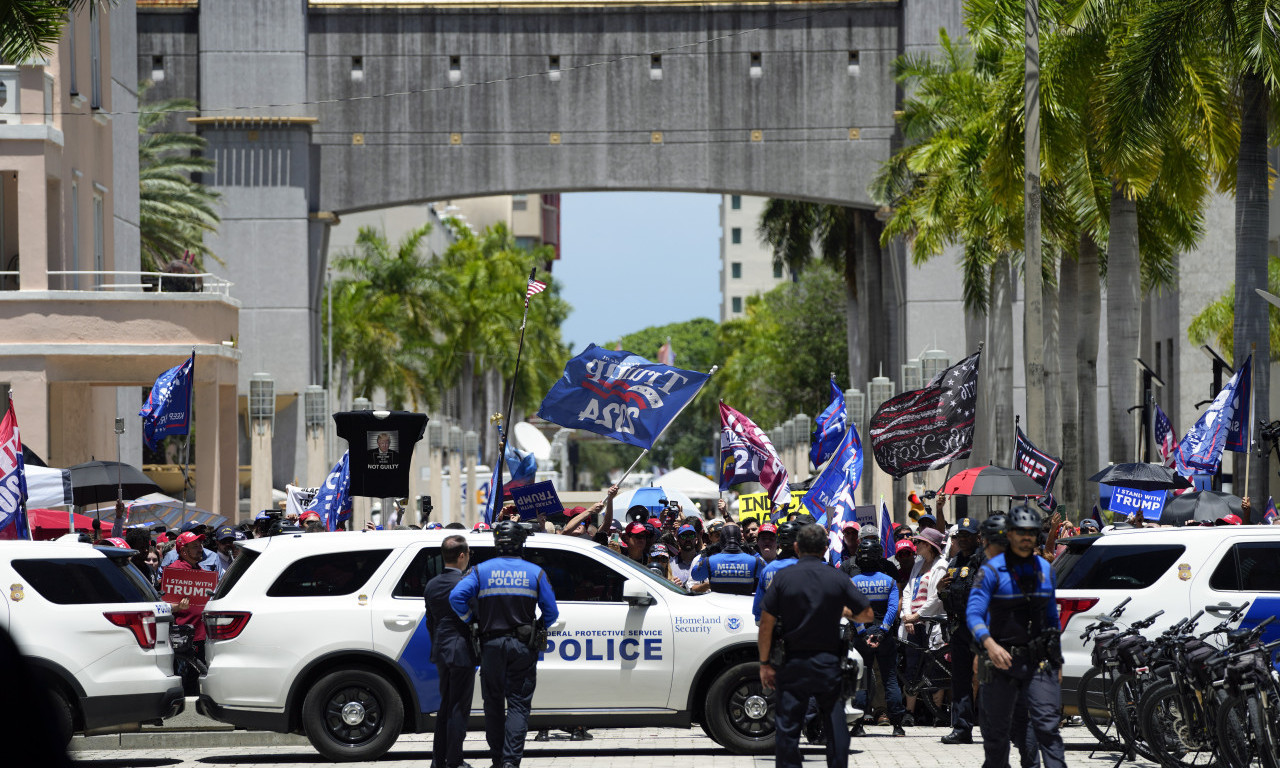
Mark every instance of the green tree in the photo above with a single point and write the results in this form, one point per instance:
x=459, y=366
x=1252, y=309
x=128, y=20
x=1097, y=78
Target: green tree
x=1215, y=324
x=30, y=28
x=175, y=211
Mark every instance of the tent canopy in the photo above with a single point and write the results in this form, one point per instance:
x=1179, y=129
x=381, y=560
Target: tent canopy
x=158, y=508
x=690, y=483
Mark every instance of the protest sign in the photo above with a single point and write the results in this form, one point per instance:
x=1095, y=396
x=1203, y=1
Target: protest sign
x=1128, y=501
x=530, y=500
x=753, y=505
x=193, y=585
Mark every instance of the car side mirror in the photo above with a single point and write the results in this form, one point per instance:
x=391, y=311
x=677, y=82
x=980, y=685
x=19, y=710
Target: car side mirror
x=635, y=593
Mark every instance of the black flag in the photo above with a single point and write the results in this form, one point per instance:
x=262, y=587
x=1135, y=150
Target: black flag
x=1035, y=463
x=928, y=428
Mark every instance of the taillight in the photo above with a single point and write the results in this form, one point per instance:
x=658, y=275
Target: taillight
x=141, y=623
x=225, y=625
x=1070, y=606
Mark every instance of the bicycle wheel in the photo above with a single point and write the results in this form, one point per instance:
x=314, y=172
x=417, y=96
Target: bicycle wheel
x=1263, y=726
x=1173, y=731
x=1093, y=700
x=1126, y=698
x=1233, y=737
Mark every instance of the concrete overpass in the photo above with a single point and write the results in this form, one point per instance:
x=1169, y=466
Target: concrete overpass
x=318, y=108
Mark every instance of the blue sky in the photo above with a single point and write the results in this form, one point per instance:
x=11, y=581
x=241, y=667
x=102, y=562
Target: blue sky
x=629, y=260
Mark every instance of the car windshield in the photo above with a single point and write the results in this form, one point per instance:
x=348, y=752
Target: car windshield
x=639, y=571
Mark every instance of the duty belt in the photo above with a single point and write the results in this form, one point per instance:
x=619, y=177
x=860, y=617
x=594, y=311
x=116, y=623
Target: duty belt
x=485, y=636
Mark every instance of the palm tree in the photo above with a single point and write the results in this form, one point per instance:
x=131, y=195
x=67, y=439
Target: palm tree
x=174, y=210
x=1215, y=324
x=792, y=227
x=30, y=28
x=1157, y=66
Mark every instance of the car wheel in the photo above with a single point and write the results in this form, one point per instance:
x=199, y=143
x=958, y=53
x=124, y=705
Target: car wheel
x=354, y=714
x=64, y=714
x=738, y=714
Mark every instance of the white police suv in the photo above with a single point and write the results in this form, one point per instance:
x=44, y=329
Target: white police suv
x=324, y=634
x=95, y=631
x=1177, y=570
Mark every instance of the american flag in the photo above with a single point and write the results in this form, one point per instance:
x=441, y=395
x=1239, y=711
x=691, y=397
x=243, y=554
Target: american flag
x=535, y=286
x=1166, y=438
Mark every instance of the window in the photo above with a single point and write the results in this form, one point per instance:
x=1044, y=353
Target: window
x=755, y=68
x=577, y=578
x=737, y=305
x=519, y=202
x=1249, y=567
x=337, y=573
x=99, y=239
x=777, y=271
x=1129, y=566
x=735, y=269
x=1159, y=354
x=233, y=574
x=74, y=260
x=85, y=581
x=95, y=59
x=357, y=69
x=157, y=69
x=735, y=202
x=553, y=68
x=735, y=235
x=455, y=69
x=655, y=67
x=854, y=60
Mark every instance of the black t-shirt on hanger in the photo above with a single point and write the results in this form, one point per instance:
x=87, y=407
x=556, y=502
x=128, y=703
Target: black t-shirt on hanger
x=380, y=444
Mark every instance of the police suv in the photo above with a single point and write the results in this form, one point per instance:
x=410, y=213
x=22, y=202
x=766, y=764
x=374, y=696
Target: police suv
x=94, y=630
x=1177, y=570
x=324, y=634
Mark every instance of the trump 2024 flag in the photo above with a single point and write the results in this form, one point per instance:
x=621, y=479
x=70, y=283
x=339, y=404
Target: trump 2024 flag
x=13, y=486
x=620, y=395
x=168, y=407
x=831, y=427
x=333, y=499
x=746, y=455
x=830, y=497
x=1201, y=448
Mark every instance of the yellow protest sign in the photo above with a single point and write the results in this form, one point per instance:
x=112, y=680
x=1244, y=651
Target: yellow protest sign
x=753, y=505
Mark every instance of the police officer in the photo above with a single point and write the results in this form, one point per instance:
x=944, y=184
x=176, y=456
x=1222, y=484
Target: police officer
x=1013, y=617
x=505, y=590
x=954, y=590
x=453, y=656
x=808, y=600
x=786, y=557
x=879, y=640
x=730, y=571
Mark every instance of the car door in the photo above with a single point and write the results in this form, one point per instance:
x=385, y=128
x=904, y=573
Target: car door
x=399, y=620
x=1245, y=568
x=605, y=653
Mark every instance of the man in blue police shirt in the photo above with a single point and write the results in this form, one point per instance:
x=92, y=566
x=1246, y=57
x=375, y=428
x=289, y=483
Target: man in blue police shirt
x=452, y=654
x=879, y=640
x=807, y=601
x=786, y=557
x=1013, y=617
x=505, y=590
x=730, y=571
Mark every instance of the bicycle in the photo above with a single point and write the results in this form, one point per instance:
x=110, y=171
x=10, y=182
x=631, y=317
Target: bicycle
x=1248, y=725
x=1093, y=701
x=934, y=673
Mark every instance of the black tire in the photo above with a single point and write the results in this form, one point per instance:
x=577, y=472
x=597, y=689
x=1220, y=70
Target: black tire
x=1234, y=744
x=1266, y=739
x=64, y=713
x=737, y=714
x=1126, y=702
x=1093, y=700
x=358, y=695
x=1166, y=732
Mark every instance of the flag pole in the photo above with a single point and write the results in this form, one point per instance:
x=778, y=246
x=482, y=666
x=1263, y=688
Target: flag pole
x=636, y=463
x=1248, y=448
x=186, y=442
x=511, y=403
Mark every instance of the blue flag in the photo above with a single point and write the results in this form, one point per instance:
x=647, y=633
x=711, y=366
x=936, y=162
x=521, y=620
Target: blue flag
x=13, y=482
x=168, y=407
x=887, y=543
x=1201, y=448
x=831, y=427
x=830, y=497
x=493, y=500
x=522, y=466
x=1238, y=424
x=333, y=500
x=620, y=395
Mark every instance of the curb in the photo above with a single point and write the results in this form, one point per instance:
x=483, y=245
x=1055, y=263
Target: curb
x=186, y=740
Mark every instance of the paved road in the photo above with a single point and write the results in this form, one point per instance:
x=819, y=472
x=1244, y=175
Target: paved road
x=655, y=748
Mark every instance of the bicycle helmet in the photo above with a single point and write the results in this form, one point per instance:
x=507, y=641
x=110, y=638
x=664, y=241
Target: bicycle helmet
x=787, y=533
x=995, y=529
x=731, y=538
x=1025, y=518
x=870, y=553
x=508, y=538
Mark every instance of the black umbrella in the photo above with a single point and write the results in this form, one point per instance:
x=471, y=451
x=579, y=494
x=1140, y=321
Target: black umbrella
x=1201, y=506
x=992, y=481
x=96, y=482
x=1142, y=476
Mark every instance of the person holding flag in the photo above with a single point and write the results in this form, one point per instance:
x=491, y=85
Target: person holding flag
x=13, y=479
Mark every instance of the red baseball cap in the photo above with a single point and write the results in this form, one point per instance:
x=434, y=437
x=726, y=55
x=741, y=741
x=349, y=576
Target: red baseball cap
x=906, y=544
x=310, y=514
x=116, y=541
x=767, y=528
x=1228, y=520
x=186, y=538
x=635, y=528
x=850, y=524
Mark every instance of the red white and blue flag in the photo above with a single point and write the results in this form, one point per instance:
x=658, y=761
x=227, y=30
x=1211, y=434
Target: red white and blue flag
x=1166, y=438
x=746, y=455
x=535, y=286
x=333, y=499
x=1219, y=427
x=832, y=423
x=887, y=543
x=168, y=407
x=620, y=395
x=1269, y=514
x=13, y=484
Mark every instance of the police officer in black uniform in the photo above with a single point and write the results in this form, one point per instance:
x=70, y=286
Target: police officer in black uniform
x=808, y=600
x=453, y=656
x=954, y=590
x=505, y=590
x=1013, y=616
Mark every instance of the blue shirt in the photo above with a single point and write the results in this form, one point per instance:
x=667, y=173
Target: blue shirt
x=733, y=573
x=1000, y=607
x=505, y=591
x=766, y=578
x=881, y=590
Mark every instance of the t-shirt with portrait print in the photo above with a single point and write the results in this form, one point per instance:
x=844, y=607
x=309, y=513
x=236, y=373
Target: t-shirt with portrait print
x=380, y=449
